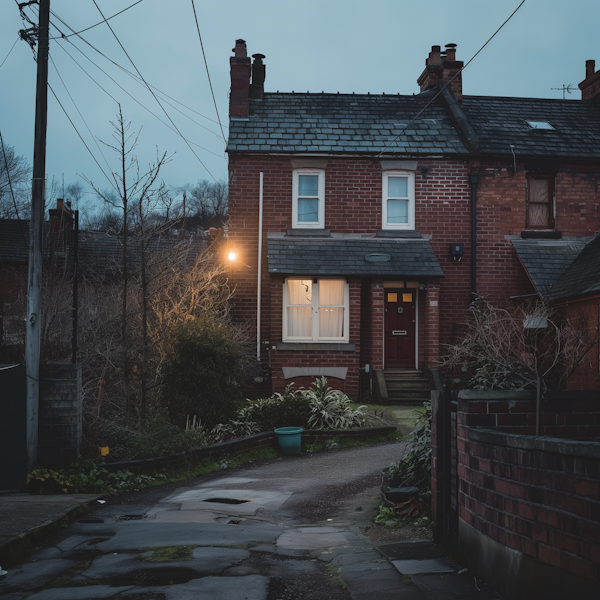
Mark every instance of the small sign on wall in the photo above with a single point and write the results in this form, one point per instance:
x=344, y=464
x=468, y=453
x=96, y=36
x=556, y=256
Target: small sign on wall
x=433, y=303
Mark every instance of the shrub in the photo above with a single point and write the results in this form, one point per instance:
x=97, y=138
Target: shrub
x=155, y=437
x=203, y=372
x=414, y=468
x=290, y=409
x=319, y=407
x=330, y=409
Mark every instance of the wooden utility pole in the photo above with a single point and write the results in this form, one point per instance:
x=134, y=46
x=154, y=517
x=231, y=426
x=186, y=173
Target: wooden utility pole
x=36, y=229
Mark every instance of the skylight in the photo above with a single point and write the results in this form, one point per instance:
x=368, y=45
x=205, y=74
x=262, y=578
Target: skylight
x=539, y=125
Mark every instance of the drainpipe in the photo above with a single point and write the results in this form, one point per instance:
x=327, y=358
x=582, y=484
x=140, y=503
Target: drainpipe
x=258, y=286
x=474, y=181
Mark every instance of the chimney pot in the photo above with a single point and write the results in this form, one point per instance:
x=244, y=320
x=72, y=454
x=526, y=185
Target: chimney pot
x=590, y=68
x=450, y=51
x=240, y=49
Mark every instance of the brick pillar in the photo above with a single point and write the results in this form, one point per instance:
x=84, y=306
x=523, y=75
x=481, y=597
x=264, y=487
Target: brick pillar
x=432, y=324
x=377, y=322
x=437, y=465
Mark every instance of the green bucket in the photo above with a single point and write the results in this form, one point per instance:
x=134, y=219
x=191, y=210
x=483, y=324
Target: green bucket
x=289, y=439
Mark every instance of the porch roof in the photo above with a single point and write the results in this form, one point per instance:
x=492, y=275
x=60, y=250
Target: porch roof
x=347, y=255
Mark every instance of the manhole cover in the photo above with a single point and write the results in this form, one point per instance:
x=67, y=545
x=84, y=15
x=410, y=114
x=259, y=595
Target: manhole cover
x=226, y=500
x=129, y=517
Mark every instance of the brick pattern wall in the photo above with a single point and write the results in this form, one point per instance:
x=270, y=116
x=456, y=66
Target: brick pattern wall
x=586, y=314
x=541, y=501
x=60, y=419
x=567, y=417
x=353, y=204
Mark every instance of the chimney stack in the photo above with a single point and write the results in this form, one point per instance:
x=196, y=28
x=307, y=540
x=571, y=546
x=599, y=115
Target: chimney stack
x=240, y=80
x=61, y=222
x=257, y=87
x=590, y=86
x=441, y=68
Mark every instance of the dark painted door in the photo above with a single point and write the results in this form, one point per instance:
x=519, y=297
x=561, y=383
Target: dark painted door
x=400, y=327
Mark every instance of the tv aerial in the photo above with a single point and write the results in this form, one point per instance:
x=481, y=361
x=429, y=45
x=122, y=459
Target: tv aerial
x=564, y=88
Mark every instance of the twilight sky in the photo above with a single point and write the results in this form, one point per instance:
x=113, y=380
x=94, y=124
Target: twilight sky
x=331, y=45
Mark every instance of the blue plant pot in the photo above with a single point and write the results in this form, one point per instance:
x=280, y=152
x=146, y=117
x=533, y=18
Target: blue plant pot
x=289, y=439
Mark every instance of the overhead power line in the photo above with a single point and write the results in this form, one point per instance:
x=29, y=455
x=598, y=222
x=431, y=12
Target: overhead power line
x=153, y=94
x=207, y=73
x=9, y=52
x=100, y=23
x=451, y=80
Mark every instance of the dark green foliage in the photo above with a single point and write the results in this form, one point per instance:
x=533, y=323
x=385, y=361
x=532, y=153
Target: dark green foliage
x=290, y=409
x=203, y=373
x=154, y=437
x=414, y=468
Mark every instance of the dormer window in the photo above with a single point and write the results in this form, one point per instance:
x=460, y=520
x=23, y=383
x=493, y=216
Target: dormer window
x=308, y=203
x=398, y=200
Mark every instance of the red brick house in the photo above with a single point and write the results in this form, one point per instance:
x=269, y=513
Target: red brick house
x=363, y=224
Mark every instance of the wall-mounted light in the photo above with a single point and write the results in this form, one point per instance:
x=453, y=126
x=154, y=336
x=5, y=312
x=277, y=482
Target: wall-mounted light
x=231, y=256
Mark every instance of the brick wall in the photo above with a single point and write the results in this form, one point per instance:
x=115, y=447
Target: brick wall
x=60, y=420
x=353, y=204
x=529, y=507
x=535, y=496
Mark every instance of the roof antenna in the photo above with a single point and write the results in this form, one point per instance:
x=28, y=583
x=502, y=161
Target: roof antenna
x=512, y=149
x=564, y=88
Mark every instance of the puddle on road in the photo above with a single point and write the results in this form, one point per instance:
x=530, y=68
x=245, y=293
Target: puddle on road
x=226, y=500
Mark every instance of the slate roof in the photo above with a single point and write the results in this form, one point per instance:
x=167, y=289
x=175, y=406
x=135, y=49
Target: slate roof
x=345, y=255
x=547, y=260
x=98, y=251
x=344, y=123
x=14, y=240
x=373, y=124
x=582, y=278
x=500, y=122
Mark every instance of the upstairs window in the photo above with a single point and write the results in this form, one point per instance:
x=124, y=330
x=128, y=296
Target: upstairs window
x=308, y=205
x=398, y=200
x=315, y=310
x=540, y=202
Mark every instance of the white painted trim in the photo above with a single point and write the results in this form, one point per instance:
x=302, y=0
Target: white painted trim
x=320, y=224
x=410, y=175
x=315, y=312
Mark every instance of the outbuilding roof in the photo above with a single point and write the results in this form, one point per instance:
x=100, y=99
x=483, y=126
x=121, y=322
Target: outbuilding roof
x=347, y=255
x=545, y=261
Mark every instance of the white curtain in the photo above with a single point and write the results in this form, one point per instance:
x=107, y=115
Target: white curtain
x=331, y=308
x=299, y=322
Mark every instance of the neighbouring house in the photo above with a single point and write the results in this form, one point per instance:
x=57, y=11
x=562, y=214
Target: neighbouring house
x=362, y=224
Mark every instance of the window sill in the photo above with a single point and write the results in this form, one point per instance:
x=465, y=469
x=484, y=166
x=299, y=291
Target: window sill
x=541, y=234
x=320, y=346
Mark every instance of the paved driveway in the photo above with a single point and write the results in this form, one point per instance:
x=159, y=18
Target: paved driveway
x=288, y=529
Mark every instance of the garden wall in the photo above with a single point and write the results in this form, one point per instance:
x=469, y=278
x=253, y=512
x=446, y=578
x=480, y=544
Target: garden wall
x=529, y=507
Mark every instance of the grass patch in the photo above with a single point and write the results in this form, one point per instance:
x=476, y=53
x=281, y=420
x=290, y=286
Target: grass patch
x=334, y=573
x=407, y=579
x=168, y=554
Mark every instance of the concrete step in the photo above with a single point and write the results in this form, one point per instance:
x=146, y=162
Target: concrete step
x=394, y=395
x=409, y=384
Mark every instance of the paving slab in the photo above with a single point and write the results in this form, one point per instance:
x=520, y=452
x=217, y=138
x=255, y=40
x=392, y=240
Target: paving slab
x=311, y=538
x=205, y=561
x=34, y=574
x=24, y=515
x=90, y=592
x=424, y=566
x=250, y=587
x=133, y=535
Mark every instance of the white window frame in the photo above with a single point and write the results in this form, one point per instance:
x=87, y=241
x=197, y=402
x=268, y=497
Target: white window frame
x=410, y=175
x=314, y=339
x=320, y=224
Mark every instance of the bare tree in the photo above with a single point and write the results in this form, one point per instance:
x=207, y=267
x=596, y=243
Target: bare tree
x=529, y=346
x=15, y=176
x=131, y=186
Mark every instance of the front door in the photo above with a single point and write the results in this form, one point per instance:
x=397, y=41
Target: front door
x=400, y=327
